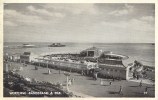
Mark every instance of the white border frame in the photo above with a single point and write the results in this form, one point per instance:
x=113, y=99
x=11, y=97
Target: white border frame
x=76, y=1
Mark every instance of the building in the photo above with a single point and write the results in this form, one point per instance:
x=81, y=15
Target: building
x=106, y=63
x=110, y=64
x=11, y=57
x=15, y=57
x=27, y=57
x=91, y=54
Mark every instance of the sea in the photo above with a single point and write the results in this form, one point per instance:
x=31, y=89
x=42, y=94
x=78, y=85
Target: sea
x=143, y=52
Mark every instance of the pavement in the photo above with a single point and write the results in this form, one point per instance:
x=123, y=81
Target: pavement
x=85, y=86
x=145, y=81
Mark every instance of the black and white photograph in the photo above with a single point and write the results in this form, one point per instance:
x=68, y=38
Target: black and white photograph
x=79, y=50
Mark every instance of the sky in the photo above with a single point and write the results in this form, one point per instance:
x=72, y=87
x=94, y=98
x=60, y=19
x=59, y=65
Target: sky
x=85, y=22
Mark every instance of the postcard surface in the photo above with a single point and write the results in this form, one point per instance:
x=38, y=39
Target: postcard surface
x=79, y=50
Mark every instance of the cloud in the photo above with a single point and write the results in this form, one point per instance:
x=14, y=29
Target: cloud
x=17, y=17
x=40, y=11
x=70, y=22
x=124, y=11
x=140, y=25
x=45, y=12
x=133, y=30
x=132, y=25
x=9, y=23
x=148, y=18
x=74, y=9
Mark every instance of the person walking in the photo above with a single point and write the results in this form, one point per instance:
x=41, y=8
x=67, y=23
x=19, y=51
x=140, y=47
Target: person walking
x=137, y=77
x=140, y=84
x=69, y=82
x=146, y=90
x=101, y=82
x=82, y=72
x=120, y=90
x=72, y=81
x=113, y=79
x=95, y=76
x=36, y=68
x=49, y=72
x=110, y=82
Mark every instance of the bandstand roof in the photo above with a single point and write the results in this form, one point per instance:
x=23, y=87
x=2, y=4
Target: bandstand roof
x=111, y=55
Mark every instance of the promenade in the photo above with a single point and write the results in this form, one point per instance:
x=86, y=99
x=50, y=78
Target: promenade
x=87, y=87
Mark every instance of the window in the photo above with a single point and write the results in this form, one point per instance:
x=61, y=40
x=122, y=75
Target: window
x=115, y=70
x=122, y=71
x=83, y=54
x=90, y=53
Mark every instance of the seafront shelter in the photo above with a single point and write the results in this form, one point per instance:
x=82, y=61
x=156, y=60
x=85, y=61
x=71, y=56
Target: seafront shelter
x=27, y=57
x=111, y=65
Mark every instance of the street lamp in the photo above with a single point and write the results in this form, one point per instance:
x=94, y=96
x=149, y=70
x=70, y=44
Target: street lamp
x=39, y=62
x=48, y=68
x=67, y=80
